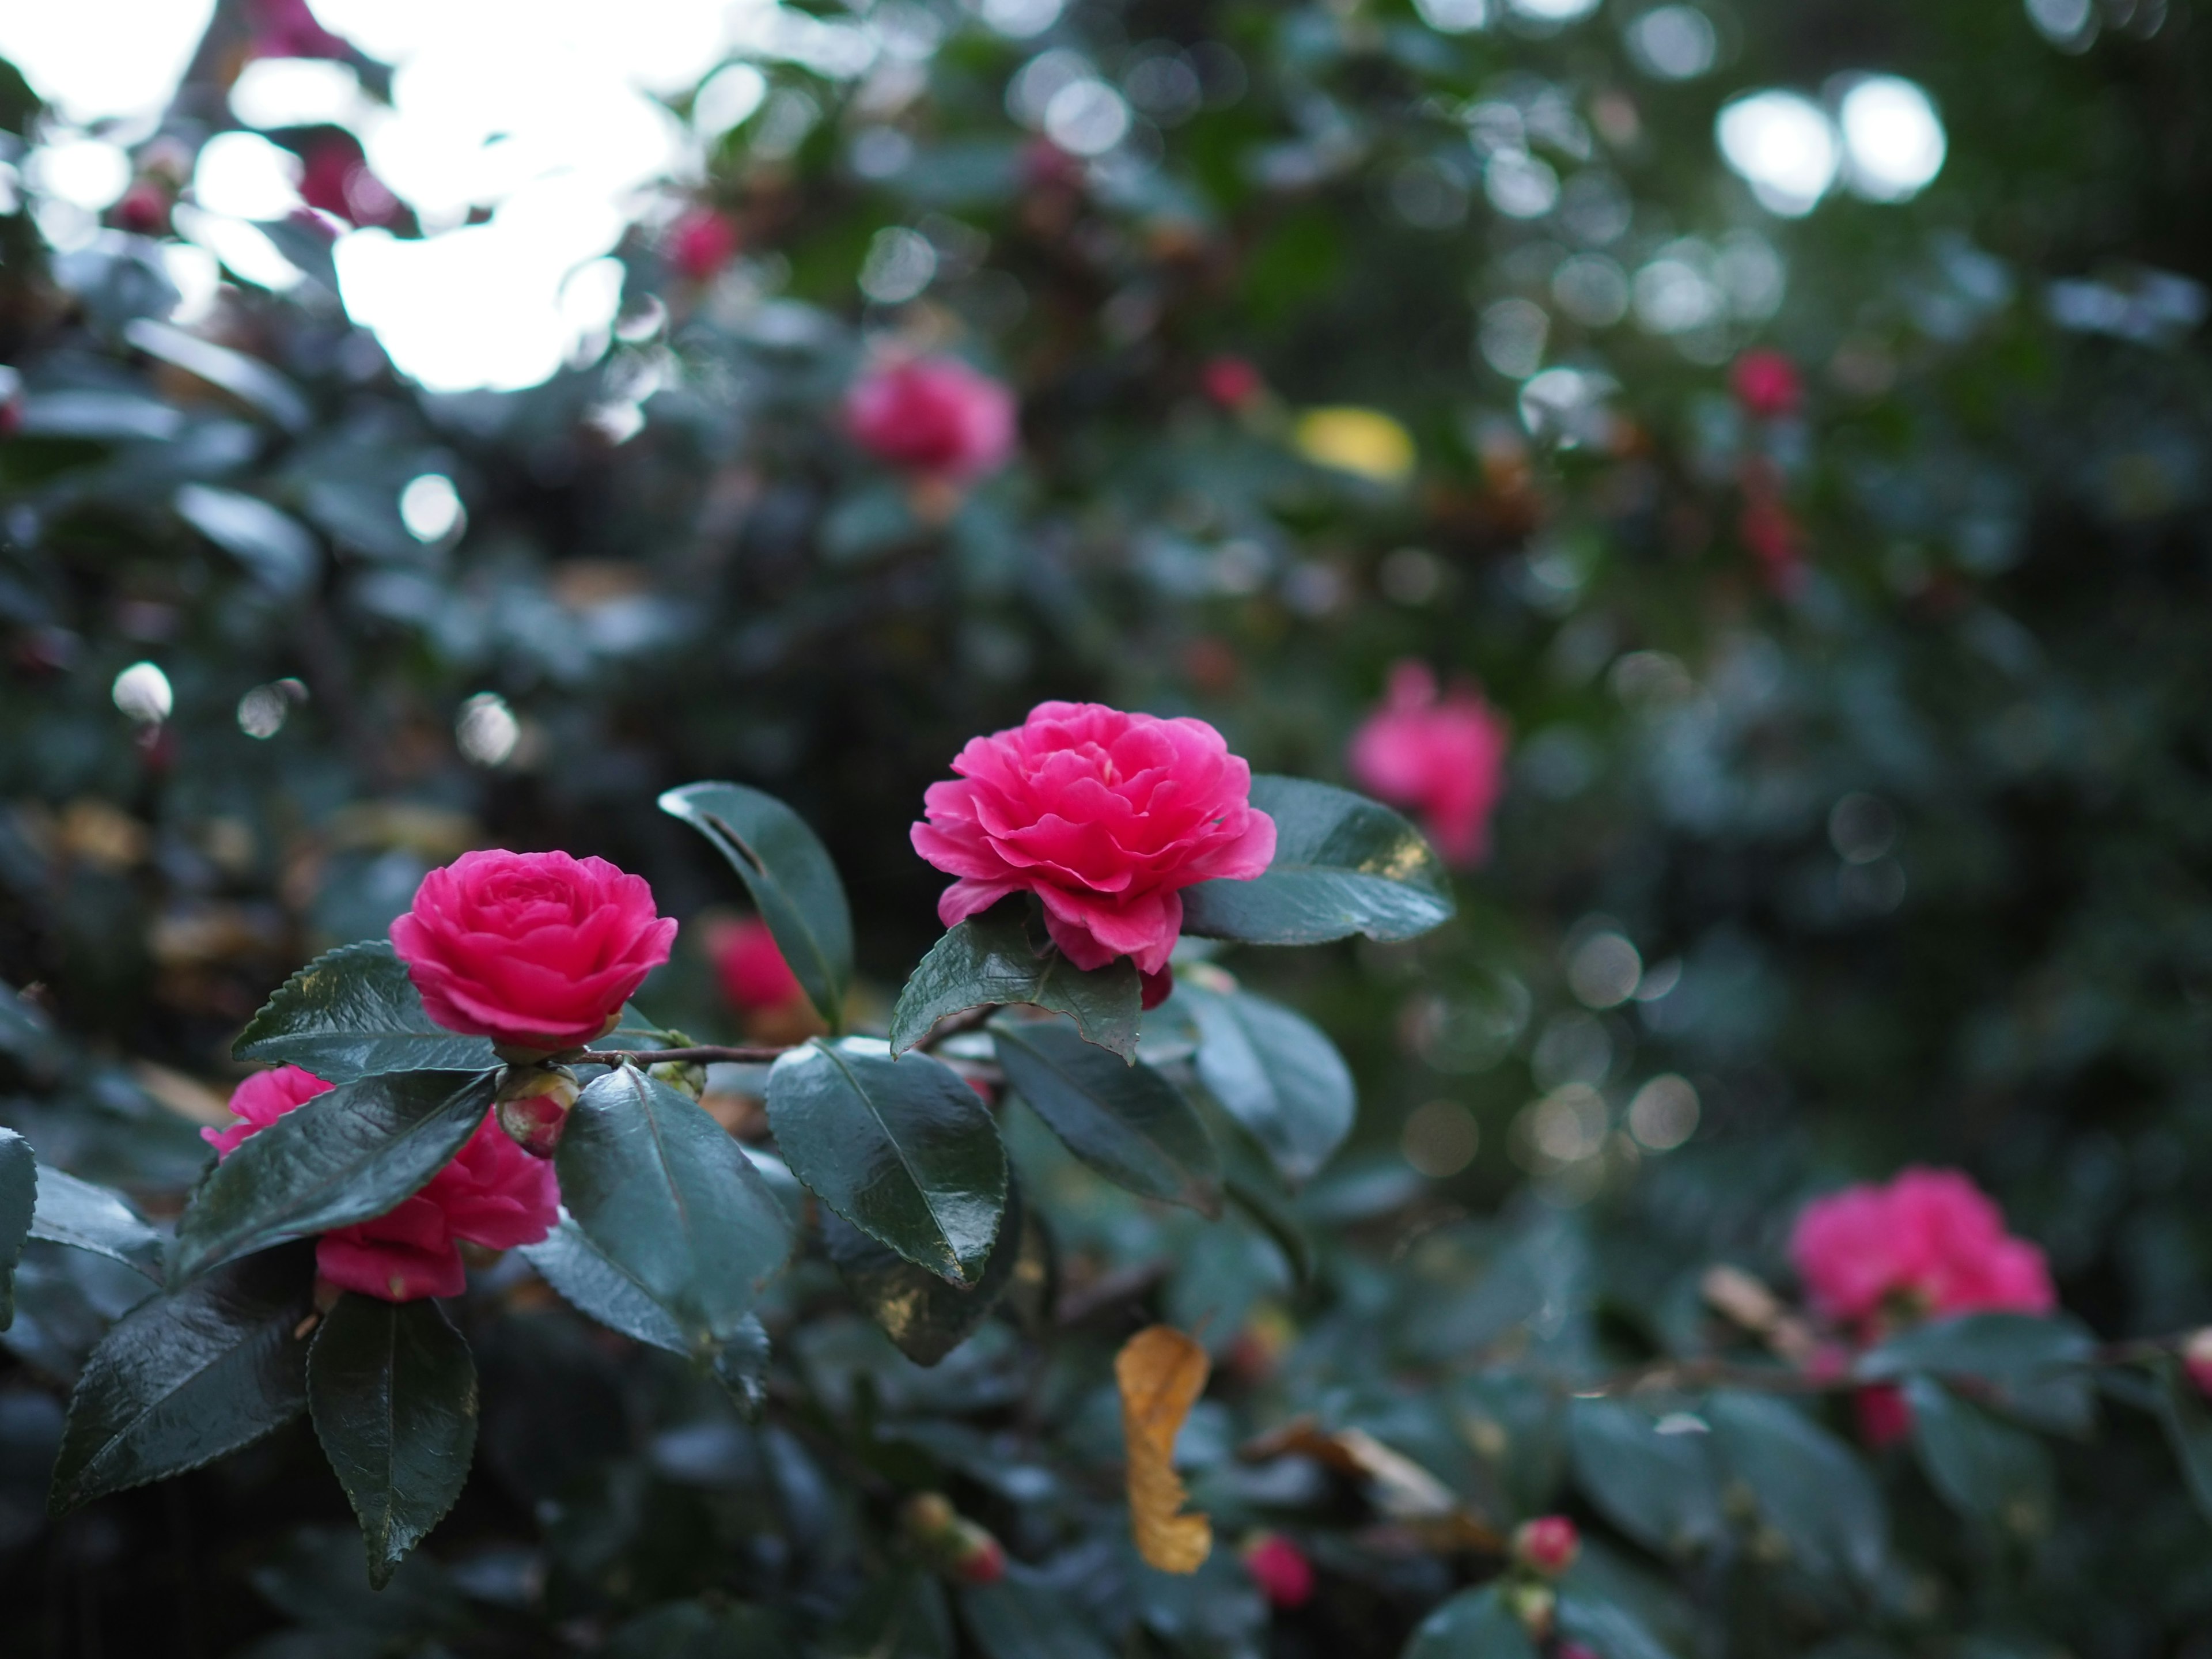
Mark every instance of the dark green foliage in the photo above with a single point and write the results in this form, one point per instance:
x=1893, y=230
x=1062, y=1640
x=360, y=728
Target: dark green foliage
x=998, y=958
x=351, y=1013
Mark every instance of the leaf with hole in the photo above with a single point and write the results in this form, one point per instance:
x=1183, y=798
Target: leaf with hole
x=998, y=957
x=1127, y=1123
x=353, y=1012
x=1343, y=864
x=787, y=871
x=184, y=1378
x=660, y=1190
x=393, y=1394
x=1276, y=1073
x=350, y=1154
x=903, y=1149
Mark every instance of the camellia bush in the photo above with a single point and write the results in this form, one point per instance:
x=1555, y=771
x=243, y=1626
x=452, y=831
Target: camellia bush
x=1723, y=1174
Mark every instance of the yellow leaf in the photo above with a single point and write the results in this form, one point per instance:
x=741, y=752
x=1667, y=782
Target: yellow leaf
x=1161, y=1373
x=1362, y=441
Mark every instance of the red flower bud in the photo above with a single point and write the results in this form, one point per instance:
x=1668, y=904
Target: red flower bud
x=534, y=1106
x=1280, y=1569
x=1547, y=1545
x=702, y=242
x=144, y=210
x=1231, y=383
x=1766, y=383
x=2197, y=1359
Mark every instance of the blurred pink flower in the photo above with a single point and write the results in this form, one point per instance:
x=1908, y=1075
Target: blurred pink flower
x=1931, y=1241
x=1548, y=1544
x=287, y=29
x=1766, y=383
x=702, y=242
x=1280, y=1569
x=334, y=176
x=934, y=415
x=1441, y=756
x=492, y=1194
x=1105, y=816
x=1231, y=383
x=750, y=966
x=1884, y=1414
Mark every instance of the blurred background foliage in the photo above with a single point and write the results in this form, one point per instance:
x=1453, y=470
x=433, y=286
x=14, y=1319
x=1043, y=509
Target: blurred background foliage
x=1859, y=810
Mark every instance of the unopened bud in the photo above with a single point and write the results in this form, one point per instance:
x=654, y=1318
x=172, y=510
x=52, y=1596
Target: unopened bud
x=691, y=1078
x=953, y=1544
x=534, y=1106
x=2197, y=1359
x=1534, y=1605
x=1280, y=1569
x=1547, y=1545
x=928, y=1516
x=977, y=1558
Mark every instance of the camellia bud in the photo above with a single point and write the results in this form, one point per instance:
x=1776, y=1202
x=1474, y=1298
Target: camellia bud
x=1280, y=1569
x=1534, y=1605
x=954, y=1545
x=1547, y=1545
x=2197, y=1359
x=686, y=1075
x=534, y=1106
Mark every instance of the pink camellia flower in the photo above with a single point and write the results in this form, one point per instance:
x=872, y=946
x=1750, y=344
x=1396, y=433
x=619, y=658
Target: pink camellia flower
x=1280, y=1569
x=492, y=1194
x=750, y=964
x=1105, y=817
x=334, y=176
x=2197, y=1359
x=933, y=415
x=1547, y=1544
x=702, y=242
x=537, y=950
x=1231, y=383
x=143, y=209
x=1766, y=383
x=1929, y=1242
x=1445, y=757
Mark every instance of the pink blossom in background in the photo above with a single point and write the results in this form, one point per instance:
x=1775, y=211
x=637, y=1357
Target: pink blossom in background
x=1548, y=1544
x=1931, y=1241
x=702, y=242
x=1441, y=756
x=1766, y=383
x=492, y=1194
x=1105, y=816
x=1883, y=1413
x=2197, y=1360
x=334, y=176
x=536, y=950
x=1231, y=383
x=287, y=29
x=934, y=415
x=1280, y=1569
x=750, y=967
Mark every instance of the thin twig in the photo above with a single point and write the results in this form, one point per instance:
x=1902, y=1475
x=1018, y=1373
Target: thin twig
x=705, y=1054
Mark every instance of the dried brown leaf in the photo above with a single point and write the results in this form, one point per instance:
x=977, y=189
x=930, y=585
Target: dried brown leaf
x=1161, y=1373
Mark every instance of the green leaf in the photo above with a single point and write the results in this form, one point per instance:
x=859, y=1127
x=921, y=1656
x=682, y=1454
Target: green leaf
x=348, y=1155
x=1017, y=1619
x=901, y=1149
x=1988, y=1471
x=787, y=871
x=997, y=958
x=924, y=1315
x=1343, y=864
x=353, y=1012
x=393, y=1394
x=1277, y=1074
x=2031, y=1366
x=1808, y=1484
x=1660, y=1489
x=2188, y=1424
x=591, y=1282
x=1127, y=1123
x=88, y=1217
x=19, y=1199
x=1476, y=1624
x=183, y=1379
x=276, y=549
x=742, y=1367
x=671, y=1201
x=1607, y=1628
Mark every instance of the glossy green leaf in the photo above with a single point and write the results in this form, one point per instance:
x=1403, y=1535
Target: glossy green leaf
x=1277, y=1074
x=353, y=1012
x=595, y=1285
x=18, y=1197
x=671, y=1201
x=1809, y=1485
x=2031, y=1366
x=348, y=1155
x=1343, y=864
x=901, y=1149
x=245, y=378
x=927, y=1317
x=393, y=1394
x=90, y=1218
x=1606, y=1627
x=999, y=957
x=2187, y=1420
x=1016, y=1618
x=184, y=1378
x=787, y=871
x=1989, y=1471
x=1476, y=1624
x=1660, y=1489
x=1127, y=1123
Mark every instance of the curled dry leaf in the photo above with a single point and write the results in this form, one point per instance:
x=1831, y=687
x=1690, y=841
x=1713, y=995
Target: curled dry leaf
x=1161, y=1373
x=1400, y=1489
